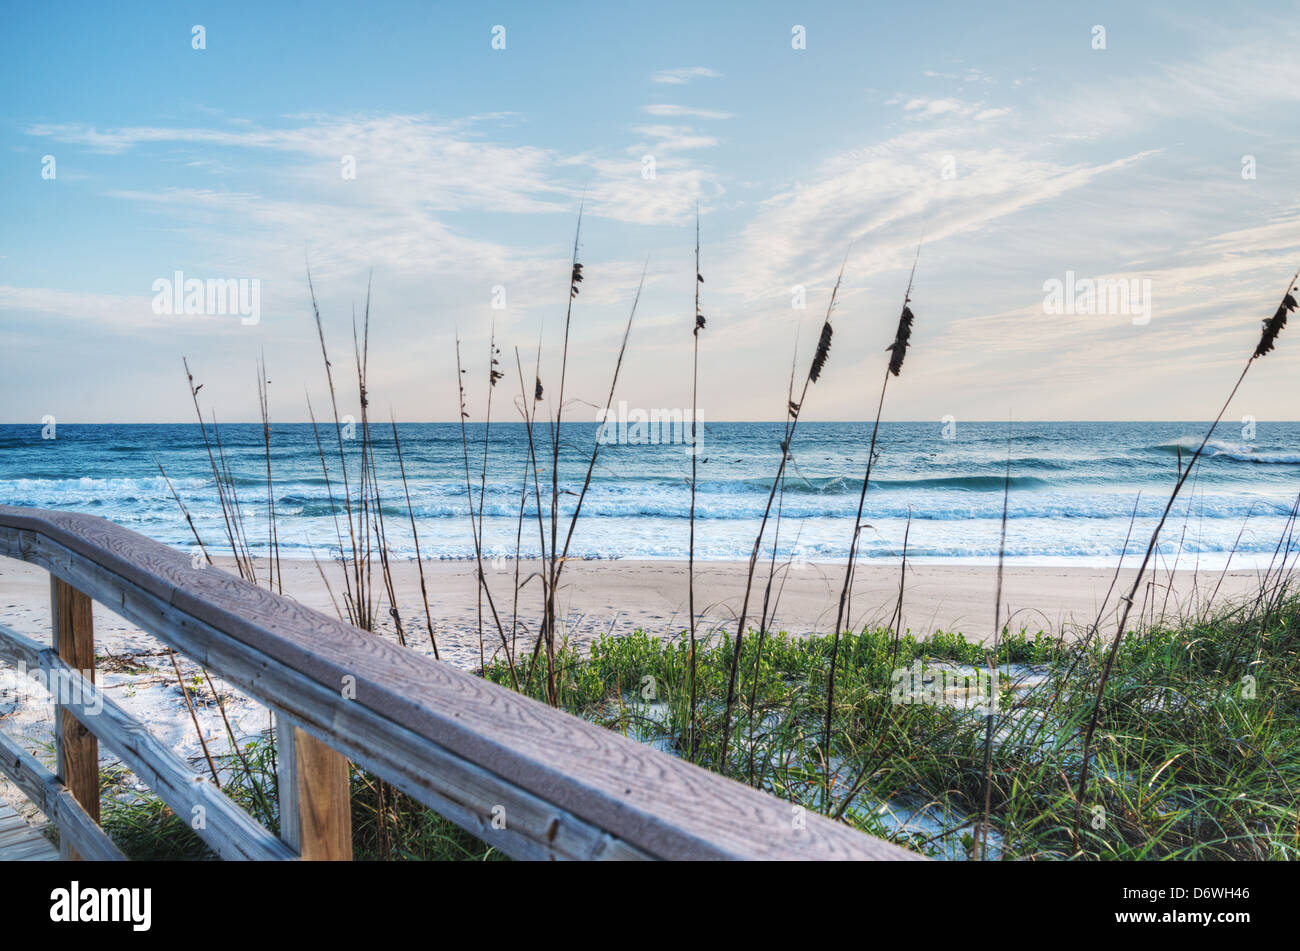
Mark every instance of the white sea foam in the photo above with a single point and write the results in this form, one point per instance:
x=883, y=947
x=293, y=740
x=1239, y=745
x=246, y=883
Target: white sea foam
x=1073, y=490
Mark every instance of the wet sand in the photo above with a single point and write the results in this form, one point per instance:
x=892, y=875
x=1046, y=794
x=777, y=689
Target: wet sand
x=618, y=597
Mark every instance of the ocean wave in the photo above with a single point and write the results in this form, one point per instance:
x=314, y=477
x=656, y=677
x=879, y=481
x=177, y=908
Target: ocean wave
x=1074, y=487
x=972, y=483
x=1272, y=458
x=936, y=498
x=849, y=485
x=826, y=542
x=1237, y=452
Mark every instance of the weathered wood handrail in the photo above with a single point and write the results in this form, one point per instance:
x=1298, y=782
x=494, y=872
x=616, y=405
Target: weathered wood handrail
x=77, y=830
x=230, y=832
x=557, y=786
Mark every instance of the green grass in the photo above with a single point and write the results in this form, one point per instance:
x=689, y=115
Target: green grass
x=1193, y=760
x=144, y=828
x=1188, y=764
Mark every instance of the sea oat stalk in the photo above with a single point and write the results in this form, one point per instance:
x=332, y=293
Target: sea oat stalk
x=897, y=351
x=1272, y=327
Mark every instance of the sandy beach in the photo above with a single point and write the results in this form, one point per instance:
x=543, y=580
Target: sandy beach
x=620, y=596
x=596, y=598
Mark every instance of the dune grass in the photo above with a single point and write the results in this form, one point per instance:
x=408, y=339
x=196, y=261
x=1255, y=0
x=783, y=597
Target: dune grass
x=1196, y=753
x=386, y=825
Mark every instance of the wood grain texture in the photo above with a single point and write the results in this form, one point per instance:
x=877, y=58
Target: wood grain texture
x=286, y=782
x=460, y=790
x=77, y=830
x=653, y=803
x=315, y=798
x=20, y=842
x=78, y=750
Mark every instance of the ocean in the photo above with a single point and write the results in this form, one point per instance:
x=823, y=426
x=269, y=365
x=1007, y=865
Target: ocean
x=1074, y=488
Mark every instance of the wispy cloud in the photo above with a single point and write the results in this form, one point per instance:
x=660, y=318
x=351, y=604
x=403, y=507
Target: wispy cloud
x=412, y=166
x=935, y=107
x=683, y=75
x=969, y=75
x=120, y=311
x=438, y=165
x=1130, y=168
x=676, y=138
x=883, y=196
x=667, y=109
x=922, y=107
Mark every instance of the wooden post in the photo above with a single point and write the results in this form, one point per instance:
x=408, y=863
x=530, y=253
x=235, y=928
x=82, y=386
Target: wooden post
x=315, y=799
x=77, y=748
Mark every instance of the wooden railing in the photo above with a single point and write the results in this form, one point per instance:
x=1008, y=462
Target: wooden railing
x=528, y=779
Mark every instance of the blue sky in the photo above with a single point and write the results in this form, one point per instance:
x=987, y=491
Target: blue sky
x=225, y=162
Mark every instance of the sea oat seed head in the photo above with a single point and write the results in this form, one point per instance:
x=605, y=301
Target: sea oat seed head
x=899, y=346
x=1273, y=325
x=823, y=350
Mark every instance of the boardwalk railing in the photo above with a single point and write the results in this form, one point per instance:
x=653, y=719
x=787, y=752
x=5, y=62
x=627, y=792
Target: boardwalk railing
x=528, y=779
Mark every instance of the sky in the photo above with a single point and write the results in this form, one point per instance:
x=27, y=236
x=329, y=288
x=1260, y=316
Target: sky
x=439, y=154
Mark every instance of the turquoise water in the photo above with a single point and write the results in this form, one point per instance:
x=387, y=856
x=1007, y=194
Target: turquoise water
x=1074, y=487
